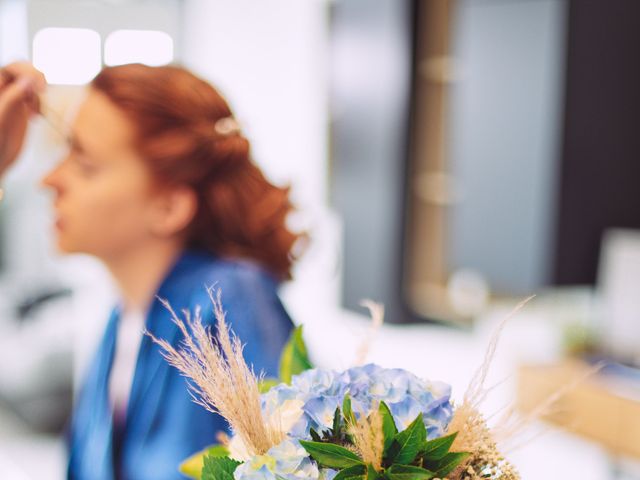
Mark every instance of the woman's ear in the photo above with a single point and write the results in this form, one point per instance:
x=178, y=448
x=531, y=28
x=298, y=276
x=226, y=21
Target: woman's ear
x=174, y=209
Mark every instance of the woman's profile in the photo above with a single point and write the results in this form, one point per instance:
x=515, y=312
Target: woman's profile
x=160, y=186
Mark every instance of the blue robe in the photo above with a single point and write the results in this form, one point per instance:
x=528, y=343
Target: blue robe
x=163, y=424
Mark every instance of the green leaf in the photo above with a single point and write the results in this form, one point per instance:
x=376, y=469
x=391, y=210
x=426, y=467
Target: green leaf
x=437, y=448
x=351, y=473
x=314, y=435
x=330, y=455
x=408, y=472
x=336, y=422
x=294, y=358
x=192, y=466
x=218, y=468
x=389, y=429
x=449, y=462
x=267, y=384
x=372, y=474
x=406, y=444
x=347, y=411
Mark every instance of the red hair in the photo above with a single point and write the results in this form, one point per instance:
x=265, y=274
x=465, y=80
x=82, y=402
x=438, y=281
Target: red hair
x=240, y=213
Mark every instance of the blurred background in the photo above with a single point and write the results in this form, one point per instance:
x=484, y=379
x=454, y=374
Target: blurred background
x=449, y=157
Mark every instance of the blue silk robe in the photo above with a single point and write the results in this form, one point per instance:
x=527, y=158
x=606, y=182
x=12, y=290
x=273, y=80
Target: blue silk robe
x=163, y=424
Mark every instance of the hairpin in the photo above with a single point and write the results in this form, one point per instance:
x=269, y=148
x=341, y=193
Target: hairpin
x=227, y=126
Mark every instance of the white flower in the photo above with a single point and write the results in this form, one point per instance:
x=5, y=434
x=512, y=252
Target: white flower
x=285, y=416
x=238, y=450
x=282, y=417
x=288, y=460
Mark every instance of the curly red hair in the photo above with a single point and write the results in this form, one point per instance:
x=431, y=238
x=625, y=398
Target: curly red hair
x=240, y=213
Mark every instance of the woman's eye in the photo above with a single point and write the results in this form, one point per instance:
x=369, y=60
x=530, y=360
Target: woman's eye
x=85, y=165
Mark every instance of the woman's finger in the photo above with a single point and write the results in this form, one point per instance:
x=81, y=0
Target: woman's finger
x=24, y=69
x=14, y=94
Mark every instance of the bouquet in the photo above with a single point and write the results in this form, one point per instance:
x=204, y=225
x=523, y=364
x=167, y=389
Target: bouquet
x=364, y=423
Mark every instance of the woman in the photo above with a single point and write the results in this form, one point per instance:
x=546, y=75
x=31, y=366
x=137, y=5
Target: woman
x=159, y=185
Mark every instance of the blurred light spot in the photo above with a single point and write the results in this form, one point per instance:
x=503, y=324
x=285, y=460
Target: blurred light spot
x=138, y=46
x=468, y=292
x=67, y=56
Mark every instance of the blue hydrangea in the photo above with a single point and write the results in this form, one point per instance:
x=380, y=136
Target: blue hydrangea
x=287, y=460
x=320, y=392
x=311, y=400
x=327, y=474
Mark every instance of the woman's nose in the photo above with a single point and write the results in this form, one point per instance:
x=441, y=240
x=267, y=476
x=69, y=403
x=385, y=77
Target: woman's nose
x=53, y=179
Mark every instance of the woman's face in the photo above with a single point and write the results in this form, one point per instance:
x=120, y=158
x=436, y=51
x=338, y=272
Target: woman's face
x=104, y=194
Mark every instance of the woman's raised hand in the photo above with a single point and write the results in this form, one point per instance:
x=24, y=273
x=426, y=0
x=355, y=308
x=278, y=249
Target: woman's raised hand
x=20, y=84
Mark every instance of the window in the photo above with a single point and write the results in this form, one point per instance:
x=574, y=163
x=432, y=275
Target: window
x=138, y=46
x=67, y=56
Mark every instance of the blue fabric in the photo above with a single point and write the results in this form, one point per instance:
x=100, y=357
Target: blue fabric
x=164, y=426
